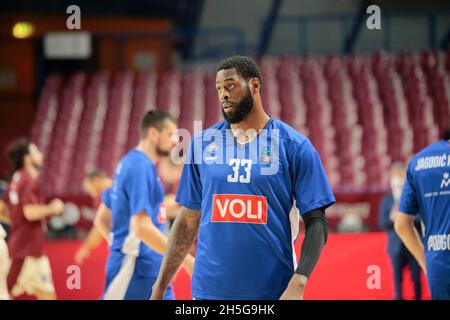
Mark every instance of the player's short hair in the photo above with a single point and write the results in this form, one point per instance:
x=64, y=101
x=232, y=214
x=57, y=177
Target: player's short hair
x=96, y=173
x=244, y=66
x=154, y=119
x=16, y=152
x=446, y=135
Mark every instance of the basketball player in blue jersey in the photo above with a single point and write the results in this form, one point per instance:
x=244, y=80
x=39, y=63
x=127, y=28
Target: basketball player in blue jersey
x=427, y=192
x=244, y=185
x=131, y=217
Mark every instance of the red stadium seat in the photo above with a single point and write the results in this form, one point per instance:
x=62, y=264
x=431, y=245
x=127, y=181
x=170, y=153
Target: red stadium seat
x=360, y=112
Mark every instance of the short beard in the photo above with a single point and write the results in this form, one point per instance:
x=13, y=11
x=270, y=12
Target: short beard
x=243, y=108
x=162, y=153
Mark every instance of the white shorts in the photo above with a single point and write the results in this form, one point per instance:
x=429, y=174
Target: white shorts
x=35, y=274
x=4, y=269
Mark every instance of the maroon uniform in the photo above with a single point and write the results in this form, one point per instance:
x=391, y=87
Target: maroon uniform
x=26, y=237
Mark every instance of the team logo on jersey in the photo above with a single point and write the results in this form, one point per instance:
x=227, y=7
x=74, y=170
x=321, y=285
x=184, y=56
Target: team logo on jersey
x=446, y=180
x=266, y=155
x=162, y=214
x=239, y=208
x=210, y=151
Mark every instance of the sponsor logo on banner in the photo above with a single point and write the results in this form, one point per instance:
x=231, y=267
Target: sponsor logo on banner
x=239, y=208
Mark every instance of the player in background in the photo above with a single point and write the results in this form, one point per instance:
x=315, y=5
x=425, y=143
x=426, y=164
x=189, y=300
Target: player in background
x=131, y=218
x=4, y=254
x=30, y=270
x=399, y=254
x=95, y=183
x=427, y=192
x=170, y=174
x=242, y=215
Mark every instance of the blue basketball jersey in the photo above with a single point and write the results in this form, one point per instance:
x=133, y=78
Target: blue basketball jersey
x=246, y=194
x=427, y=192
x=136, y=188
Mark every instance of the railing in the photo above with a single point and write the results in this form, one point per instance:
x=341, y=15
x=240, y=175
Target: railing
x=435, y=24
x=306, y=34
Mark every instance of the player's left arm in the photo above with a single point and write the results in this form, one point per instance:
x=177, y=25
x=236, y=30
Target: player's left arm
x=313, y=195
x=316, y=234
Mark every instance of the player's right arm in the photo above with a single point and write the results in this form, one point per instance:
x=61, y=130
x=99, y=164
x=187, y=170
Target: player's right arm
x=103, y=221
x=148, y=233
x=172, y=207
x=34, y=212
x=404, y=220
x=406, y=230
x=182, y=235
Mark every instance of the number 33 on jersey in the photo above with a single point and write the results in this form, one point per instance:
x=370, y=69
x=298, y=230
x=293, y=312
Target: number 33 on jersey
x=236, y=164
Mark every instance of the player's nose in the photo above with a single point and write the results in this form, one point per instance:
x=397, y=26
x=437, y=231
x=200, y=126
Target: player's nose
x=224, y=95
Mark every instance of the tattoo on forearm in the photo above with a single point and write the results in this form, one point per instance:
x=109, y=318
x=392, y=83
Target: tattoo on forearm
x=182, y=235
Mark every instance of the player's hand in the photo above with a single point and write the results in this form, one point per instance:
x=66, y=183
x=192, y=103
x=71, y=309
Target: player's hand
x=81, y=255
x=56, y=206
x=169, y=200
x=188, y=264
x=295, y=288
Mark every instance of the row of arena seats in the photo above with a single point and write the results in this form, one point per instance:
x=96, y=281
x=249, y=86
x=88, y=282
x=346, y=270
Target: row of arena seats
x=361, y=112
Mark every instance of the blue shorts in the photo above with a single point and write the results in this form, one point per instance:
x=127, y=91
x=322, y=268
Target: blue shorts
x=439, y=291
x=126, y=281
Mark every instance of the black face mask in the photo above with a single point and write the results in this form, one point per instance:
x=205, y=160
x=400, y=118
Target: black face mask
x=242, y=109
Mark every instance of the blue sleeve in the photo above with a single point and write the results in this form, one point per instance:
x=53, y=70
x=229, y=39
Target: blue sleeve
x=140, y=189
x=408, y=200
x=189, y=193
x=106, y=198
x=311, y=187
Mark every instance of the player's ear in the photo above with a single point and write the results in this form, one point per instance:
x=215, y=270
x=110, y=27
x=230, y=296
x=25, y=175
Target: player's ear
x=255, y=86
x=153, y=133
